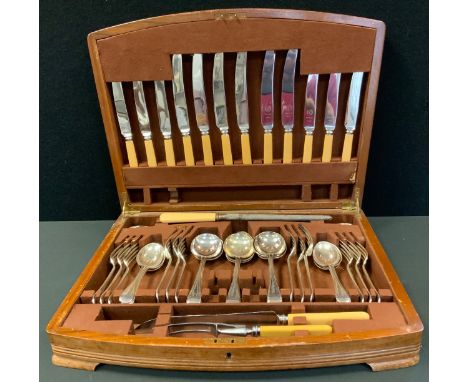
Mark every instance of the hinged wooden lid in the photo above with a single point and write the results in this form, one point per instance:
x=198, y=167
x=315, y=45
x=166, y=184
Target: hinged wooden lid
x=327, y=43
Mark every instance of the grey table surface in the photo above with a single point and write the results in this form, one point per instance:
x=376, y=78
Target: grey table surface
x=66, y=247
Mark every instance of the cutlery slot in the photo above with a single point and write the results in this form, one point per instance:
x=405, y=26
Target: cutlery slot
x=321, y=191
x=135, y=195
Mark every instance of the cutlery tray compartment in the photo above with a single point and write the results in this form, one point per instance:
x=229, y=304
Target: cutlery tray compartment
x=253, y=275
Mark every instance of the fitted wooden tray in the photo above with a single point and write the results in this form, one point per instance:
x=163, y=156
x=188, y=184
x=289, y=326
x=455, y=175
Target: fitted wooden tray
x=83, y=335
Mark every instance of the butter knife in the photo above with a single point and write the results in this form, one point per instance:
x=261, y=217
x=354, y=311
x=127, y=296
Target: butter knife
x=181, y=108
x=352, y=111
x=331, y=110
x=242, y=106
x=144, y=122
x=219, y=98
x=267, y=105
x=310, y=109
x=199, y=100
x=287, y=103
x=124, y=122
x=164, y=121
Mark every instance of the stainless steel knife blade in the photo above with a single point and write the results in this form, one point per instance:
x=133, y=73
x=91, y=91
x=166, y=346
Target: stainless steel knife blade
x=179, y=95
x=310, y=106
x=287, y=90
x=219, y=96
x=242, y=106
x=267, y=104
x=162, y=109
x=354, y=96
x=199, y=97
x=332, y=102
x=121, y=109
x=142, y=111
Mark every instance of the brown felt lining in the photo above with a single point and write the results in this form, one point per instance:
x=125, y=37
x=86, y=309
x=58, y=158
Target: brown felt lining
x=253, y=280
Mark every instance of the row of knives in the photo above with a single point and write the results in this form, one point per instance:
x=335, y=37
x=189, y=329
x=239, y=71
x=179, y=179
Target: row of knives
x=242, y=111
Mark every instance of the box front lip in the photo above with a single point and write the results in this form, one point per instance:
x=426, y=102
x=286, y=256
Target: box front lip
x=414, y=324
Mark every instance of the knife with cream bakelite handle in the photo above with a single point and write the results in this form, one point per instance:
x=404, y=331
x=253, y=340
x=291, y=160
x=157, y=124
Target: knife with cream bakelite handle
x=352, y=111
x=267, y=105
x=144, y=122
x=124, y=122
x=199, y=100
x=181, y=108
x=219, y=99
x=287, y=103
x=331, y=110
x=310, y=109
x=164, y=121
x=242, y=106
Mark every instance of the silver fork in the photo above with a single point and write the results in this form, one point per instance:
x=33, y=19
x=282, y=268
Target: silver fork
x=349, y=258
x=292, y=253
x=128, y=262
x=365, y=257
x=308, y=253
x=302, y=247
x=113, y=261
x=357, y=257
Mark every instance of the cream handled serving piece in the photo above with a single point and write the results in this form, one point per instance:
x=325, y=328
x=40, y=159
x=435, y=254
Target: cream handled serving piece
x=352, y=111
x=144, y=122
x=242, y=105
x=310, y=116
x=267, y=105
x=199, y=101
x=193, y=217
x=164, y=121
x=124, y=122
x=287, y=103
x=181, y=108
x=331, y=110
x=220, y=111
x=238, y=248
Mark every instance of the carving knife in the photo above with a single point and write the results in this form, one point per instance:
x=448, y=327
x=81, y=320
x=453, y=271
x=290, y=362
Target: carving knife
x=181, y=108
x=144, y=122
x=331, y=110
x=164, y=121
x=352, y=111
x=190, y=217
x=124, y=122
x=287, y=103
x=199, y=100
x=242, y=106
x=310, y=108
x=267, y=106
x=219, y=98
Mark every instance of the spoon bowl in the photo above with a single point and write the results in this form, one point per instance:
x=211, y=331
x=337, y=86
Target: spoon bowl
x=149, y=258
x=327, y=256
x=238, y=248
x=205, y=247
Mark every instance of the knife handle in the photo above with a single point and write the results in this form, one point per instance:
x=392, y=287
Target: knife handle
x=188, y=151
x=268, y=148
x=131, y=153
x=328, y=318
x=169, y=149
x=308, y=143
x=288, y=330
x=347, y=147
x=245, y=143
x=327, y=148
x=287, y=147
x=187, y=217
x=207, y=154
x=227, y=153
x=150, y=154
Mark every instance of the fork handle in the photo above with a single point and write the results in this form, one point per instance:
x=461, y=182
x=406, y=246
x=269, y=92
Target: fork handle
x=340, y=291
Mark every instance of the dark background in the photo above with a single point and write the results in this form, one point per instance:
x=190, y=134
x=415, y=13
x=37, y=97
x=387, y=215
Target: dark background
x=76, y=178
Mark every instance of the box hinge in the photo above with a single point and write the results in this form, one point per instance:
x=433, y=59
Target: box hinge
x=352, y=204
x=128, y=208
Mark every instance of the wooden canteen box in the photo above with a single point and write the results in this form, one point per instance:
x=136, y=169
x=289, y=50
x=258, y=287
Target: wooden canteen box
x=156, y=174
